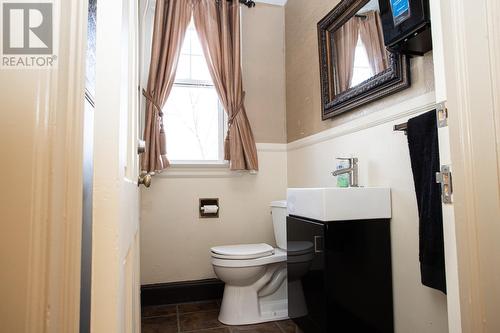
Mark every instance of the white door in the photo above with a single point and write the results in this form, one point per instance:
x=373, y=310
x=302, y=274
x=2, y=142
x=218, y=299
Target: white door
x=116, y=282
x=466, y=37
x=453, y=300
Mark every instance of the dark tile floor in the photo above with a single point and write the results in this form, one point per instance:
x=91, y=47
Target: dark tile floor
x=201, y=317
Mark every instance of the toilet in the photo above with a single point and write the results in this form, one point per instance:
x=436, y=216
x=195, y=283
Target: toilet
x=255, y=277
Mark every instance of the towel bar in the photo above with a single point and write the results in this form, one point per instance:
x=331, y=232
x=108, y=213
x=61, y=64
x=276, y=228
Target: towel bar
x=401, y=127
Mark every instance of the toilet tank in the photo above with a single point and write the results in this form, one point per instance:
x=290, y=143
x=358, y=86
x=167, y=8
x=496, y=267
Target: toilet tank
x=278, y=210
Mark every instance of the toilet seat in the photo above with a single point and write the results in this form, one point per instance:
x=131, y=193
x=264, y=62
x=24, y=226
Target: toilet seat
x=278, y=256
x=243, y=251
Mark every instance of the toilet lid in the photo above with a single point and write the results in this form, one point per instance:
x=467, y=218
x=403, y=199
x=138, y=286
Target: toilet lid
x=244, y=251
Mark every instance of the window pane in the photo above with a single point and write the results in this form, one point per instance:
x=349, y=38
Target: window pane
x=199, y=69
x=362, y=69
x=186, y=45
x=192, y=63
x=183, y=68
x=196, y=44
x=192, y=124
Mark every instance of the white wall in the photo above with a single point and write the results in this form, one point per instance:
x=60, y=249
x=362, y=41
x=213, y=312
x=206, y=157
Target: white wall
x=175, y=242
x=383, y=161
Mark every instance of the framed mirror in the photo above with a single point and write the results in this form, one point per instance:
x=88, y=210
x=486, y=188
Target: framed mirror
x=355, y=66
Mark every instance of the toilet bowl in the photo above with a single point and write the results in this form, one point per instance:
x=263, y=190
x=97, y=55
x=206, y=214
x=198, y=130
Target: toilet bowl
x=247, y=281
x=255, y=277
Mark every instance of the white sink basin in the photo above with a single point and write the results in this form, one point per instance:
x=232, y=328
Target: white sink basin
x=340, y=204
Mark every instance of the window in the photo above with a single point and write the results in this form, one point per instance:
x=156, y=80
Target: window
x=194, y=119
x=362, y=70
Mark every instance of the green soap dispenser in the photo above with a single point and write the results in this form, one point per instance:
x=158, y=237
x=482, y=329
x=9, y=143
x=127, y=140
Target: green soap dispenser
x=342, y=180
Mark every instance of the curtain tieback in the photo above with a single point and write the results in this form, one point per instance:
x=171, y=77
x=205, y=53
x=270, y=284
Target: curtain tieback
x=152, y=101
x=233, y=117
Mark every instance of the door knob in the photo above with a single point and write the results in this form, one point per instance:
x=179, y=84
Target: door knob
x=144, y=179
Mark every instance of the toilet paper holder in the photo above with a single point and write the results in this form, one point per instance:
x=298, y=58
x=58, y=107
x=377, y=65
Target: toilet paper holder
x=209, y=202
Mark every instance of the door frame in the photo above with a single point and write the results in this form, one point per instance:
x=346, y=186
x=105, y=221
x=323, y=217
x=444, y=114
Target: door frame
x=471, y=63
x=56, y=212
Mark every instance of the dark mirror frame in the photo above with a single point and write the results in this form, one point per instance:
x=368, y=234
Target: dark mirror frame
x=390, y=81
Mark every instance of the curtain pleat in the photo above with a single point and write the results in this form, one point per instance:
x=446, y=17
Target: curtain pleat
x=172, y=18
x=218, y=25
x=345, y=40
x=371, y=34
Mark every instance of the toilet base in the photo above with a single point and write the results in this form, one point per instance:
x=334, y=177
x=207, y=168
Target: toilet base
x=242, y=306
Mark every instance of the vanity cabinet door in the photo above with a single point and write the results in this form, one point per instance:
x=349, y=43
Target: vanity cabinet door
x=307, y=302
x=340, y=276
x=359, y=276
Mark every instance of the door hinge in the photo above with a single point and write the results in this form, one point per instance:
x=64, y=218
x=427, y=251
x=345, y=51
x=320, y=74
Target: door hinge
x=442, y=115
x=444, y=178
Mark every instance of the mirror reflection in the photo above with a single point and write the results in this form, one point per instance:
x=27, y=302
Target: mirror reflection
x=358, y=49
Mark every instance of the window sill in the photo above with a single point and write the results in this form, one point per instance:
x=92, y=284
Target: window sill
x=199, y=164
x=201, y=169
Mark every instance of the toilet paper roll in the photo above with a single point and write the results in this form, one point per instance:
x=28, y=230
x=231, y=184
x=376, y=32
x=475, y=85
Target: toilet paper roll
x=210, y=209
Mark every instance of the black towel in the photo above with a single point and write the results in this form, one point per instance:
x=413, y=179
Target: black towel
x=424, y=154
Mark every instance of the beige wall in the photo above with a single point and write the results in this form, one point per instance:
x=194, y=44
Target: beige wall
x=16, y=197
x=303, y=100
x=263, y=44
x=175, y=242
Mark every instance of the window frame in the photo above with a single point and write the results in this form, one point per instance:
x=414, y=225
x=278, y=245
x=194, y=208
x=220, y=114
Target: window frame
x=222, y=128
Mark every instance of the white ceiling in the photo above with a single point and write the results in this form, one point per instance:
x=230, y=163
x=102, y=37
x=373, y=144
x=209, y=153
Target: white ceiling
x=273, y=2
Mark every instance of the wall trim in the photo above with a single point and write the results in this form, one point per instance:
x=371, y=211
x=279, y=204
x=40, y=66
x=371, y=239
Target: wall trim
x=181, y=292
x=272, y=147
x=217, y=170
x=410, y=107
x=273, y=2
x=200, y=172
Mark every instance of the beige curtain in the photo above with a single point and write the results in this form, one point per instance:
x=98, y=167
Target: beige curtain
x=218, y=25
x=171, y=20
x=345, y=40
x=372, y=37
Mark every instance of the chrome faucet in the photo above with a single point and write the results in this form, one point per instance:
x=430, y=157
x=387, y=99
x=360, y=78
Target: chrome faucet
x=352, y=170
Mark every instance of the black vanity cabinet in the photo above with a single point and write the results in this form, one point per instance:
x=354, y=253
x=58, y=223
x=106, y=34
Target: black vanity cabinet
x=340, y=275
